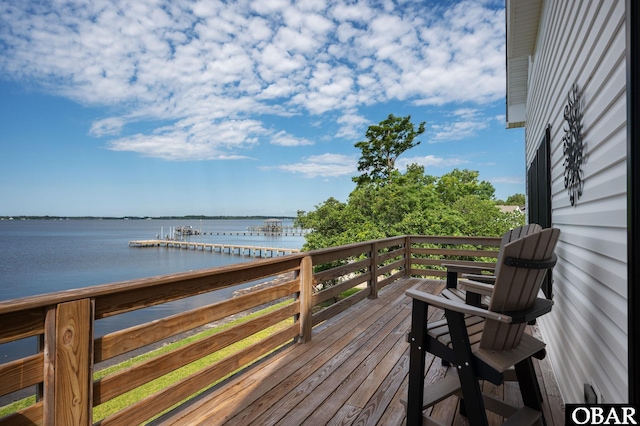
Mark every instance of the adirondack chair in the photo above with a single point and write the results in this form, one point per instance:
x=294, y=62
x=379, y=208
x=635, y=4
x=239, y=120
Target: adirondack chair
x=473, y=294
x=484, y=343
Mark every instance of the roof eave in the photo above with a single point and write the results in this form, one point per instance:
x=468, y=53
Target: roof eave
x=522, y=22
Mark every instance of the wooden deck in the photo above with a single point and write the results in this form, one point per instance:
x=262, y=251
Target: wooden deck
x=353, y=371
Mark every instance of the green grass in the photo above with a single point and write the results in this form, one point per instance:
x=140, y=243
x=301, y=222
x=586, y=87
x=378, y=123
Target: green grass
x=17, y=406
x=135, y=395
x=116, y=404
x=341, y=296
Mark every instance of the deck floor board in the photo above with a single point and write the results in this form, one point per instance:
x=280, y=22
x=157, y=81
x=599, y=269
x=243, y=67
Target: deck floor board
x=353, y=372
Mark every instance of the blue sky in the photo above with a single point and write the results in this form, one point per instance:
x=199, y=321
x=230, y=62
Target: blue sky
x=157, y=107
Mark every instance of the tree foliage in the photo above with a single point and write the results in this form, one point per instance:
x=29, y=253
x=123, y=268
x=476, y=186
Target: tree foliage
x=386, y=202
x=515, y=200
x=385, y=143
x=412, y=203
x=461, y=183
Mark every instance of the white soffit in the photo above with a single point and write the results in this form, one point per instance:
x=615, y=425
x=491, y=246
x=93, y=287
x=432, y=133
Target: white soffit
x=522, y=20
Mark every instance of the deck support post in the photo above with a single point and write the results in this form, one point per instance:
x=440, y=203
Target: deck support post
x=68, y=375
x=306, y=296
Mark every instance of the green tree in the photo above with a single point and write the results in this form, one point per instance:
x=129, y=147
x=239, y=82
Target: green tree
x=386, y=202
x=440, y=219
x=460, y=183
x=385, y=142
x=515, y=200
x=481, y=217
x=410, y=203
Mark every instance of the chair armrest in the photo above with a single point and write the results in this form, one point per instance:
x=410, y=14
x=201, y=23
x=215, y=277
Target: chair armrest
x=457, y=306
x=476, y=287
x=483, y=278
x=466, y=269
x=540, y=307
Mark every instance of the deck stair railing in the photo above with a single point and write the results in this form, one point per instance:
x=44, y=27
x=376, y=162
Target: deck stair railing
x=309, y=288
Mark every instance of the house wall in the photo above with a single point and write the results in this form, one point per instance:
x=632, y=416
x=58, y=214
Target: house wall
x=583, y=42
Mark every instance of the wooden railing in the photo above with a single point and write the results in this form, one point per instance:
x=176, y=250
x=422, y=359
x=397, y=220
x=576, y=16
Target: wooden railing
x=317, y=285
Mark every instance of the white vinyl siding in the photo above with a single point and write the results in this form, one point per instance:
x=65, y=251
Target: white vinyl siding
x=583, y=42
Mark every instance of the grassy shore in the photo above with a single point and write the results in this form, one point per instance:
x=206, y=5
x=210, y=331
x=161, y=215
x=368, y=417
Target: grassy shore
x=137, y=394
x=123, y=401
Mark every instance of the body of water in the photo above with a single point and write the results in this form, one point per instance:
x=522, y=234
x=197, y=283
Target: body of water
x=44, y=256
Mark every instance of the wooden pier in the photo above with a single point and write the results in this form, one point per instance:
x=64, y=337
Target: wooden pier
x=242, y=250
x=254, y=231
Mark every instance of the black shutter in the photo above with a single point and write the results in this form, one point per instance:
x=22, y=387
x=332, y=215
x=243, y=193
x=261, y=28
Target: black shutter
x=539, y=194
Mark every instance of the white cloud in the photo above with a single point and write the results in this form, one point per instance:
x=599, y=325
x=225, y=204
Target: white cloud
x=269, y=6
x=457, y=130
x=193, y=140
x=351, y=124
x=467, y=113
x=469, y=121
x=352, y=12
x=212, y=62
x=430, y=161
x=325, y=165
x=107, y=126
x=283, y=138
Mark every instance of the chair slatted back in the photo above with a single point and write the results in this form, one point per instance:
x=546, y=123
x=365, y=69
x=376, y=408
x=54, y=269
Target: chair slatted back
x=512, y=235
x=517, y=287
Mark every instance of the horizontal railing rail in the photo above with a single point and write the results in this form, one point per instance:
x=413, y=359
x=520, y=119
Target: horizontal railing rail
x=306, y=289
x=428, y=253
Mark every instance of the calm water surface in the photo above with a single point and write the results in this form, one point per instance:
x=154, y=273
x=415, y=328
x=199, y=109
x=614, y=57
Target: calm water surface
x=39, y=257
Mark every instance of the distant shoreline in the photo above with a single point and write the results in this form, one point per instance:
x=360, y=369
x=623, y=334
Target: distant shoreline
x=188, y=217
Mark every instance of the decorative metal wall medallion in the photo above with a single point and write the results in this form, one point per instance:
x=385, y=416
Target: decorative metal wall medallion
x=573, y=147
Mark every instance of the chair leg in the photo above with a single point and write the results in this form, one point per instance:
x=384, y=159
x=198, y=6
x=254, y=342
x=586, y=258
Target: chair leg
x=473, y=299
x=471, y=393
x=452, y=279
x=462, y=409
x=417, y=340
x=529, y=387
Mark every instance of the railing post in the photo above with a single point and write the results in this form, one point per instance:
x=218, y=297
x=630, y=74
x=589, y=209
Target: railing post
x=407, y=256
x=306, y=296
x=68, y=376
x=373, y=283
x=48, y=396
